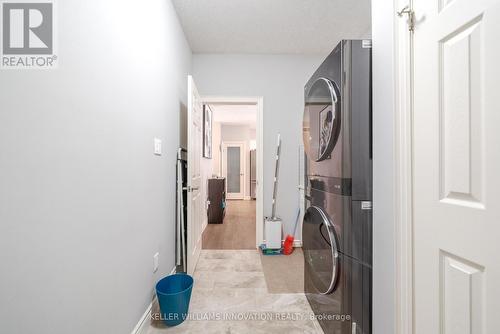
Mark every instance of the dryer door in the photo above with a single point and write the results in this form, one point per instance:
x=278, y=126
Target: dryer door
x=320, y=250
x=321, y=122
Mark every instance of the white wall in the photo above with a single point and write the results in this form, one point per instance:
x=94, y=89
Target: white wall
x=84, y=203
x=216, y=149
x=383, y=168
x=243, y=133
x=280, y=79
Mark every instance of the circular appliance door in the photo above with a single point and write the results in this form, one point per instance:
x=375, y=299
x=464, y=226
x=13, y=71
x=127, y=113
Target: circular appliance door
x=320, y=250
x=321, y=122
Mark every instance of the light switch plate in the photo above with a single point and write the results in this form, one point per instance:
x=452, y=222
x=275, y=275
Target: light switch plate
x=155, y=261
x=157, y=150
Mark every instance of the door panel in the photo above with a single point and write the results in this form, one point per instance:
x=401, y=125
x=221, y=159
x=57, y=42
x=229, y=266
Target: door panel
x=456, y=163
x=461, y=120
x=233, y=169
x=195, y=199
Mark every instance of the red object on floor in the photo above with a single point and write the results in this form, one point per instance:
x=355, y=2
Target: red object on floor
x=288, y=245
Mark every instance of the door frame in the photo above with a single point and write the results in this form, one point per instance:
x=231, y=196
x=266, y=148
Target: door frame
x=243, y=161
x=403, y=167
x=259, y=102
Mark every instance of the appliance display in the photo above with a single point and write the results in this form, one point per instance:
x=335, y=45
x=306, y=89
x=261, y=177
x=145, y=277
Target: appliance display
x=337, y=226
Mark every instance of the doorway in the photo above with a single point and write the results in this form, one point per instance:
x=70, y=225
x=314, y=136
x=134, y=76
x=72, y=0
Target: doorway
x=237, y=164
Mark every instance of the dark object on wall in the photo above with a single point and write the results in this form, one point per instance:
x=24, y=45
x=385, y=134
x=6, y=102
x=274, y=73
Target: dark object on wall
x=216, y=200
x=207, y=131
x=181, y=211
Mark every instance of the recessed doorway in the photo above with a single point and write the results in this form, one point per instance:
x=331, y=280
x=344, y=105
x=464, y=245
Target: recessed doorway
x=236, y=168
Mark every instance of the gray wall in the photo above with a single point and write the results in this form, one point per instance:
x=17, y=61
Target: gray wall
x=280, y=80
x=383, y=168
x=84, y=203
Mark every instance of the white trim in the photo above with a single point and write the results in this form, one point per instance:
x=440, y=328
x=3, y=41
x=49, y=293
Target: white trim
x=140, y=325
x=259, y=217
x=243, y=161
x=247, y=198
x=142, y=321
x=403, y=176
x=259, y=101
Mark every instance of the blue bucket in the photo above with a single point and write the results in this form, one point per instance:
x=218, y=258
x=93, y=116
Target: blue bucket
x=174, y=294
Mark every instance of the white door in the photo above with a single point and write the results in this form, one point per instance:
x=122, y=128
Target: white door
x=457, y=166
x=233, y=169
x=195, y=208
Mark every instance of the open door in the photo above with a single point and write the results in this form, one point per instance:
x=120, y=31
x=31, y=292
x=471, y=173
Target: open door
x=456, y=163
x=195, y=208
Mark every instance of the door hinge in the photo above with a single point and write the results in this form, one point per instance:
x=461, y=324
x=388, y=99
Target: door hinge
x=411, y=17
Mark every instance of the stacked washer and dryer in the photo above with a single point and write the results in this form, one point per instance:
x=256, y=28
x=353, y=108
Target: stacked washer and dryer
x=337, y=226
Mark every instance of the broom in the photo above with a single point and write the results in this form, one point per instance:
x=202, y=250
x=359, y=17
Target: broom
x=288, y=244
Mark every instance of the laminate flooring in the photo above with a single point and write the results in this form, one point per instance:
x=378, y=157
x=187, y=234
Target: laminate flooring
x=238, y=229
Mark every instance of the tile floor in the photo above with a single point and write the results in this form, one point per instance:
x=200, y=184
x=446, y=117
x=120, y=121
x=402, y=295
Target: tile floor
x=231, y=283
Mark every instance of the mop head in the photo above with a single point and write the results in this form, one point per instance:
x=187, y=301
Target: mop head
x=288, y=245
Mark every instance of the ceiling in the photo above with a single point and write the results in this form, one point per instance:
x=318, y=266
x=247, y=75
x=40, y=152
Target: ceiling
x=272, y=26
x=235, y=114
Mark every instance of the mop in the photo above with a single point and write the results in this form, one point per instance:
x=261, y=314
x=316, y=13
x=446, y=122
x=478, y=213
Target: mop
x=273, y=224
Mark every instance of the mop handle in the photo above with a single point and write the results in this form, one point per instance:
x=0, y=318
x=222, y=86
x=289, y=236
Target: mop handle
x=276, y=174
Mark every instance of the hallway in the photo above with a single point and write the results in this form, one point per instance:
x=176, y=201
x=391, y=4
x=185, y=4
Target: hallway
x=237, y=231
x=231, y=284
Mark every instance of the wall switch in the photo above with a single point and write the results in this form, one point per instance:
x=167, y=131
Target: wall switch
x=155, y=262
x=157, y=146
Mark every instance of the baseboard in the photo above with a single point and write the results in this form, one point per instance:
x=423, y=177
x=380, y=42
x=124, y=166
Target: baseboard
x=140, y=325
x=247, y=198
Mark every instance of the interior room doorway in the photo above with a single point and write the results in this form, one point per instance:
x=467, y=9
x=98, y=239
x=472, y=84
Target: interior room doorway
x=235, y=215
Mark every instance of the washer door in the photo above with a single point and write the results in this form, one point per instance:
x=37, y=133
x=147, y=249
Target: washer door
x=321, y=122
x=320, y=250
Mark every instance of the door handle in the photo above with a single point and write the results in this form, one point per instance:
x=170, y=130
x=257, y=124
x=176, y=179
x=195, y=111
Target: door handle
x=191, y=189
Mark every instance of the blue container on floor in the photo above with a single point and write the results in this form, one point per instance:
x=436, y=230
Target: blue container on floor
x=174, y=294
